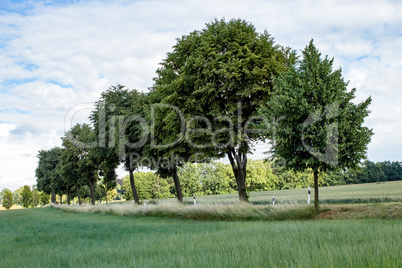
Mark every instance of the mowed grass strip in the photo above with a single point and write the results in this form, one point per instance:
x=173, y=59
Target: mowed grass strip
x=54, y=238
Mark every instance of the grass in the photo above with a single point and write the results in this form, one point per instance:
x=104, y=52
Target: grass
x=230, y=212
x=54, y=238
x=218, y=232
x=244, y=212
x=346, y=194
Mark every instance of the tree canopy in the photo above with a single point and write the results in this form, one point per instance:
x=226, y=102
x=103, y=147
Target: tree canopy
x=217, y=78
x=319, y=126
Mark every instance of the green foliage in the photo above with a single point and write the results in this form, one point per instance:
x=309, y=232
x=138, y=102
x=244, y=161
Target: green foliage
x=17, y=196
x=318, y=126
x=35, y=197
x=322, y=128
x=2, y=193
x=260, y=176
x=365, y=173
x=26, y=196
x=149, y=186
x=217, y=178
x=111, y=194
x=7, y=197
x=219, y=72
x=48, y=173
x=70, y=159
x=100, y=192
x=44, y=198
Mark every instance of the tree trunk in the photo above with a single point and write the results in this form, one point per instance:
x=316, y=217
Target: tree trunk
x=91, y=188
x=316, y=204
x=68, y=196
x=238, y=161
x=177, y=185
x=132, y=183
x=53, y=197
x=79, y=196
x=61, y=199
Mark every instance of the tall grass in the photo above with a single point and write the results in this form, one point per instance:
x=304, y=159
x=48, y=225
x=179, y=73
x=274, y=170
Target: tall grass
x=55, y=238
x=205, y=212
x=240, y=211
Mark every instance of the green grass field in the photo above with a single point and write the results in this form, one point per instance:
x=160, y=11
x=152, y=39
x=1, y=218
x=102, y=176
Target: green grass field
x=367, y=235
x=53, y=238
x=355, y=193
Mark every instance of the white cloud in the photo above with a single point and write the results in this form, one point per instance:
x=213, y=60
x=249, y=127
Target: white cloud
x=58, y=56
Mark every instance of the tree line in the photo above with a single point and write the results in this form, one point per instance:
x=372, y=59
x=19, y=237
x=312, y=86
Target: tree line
x=220, y=90
x=214, y=178
x=217, y=178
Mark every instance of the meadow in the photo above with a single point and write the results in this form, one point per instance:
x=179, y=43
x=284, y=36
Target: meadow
x=49, y=237
x=355, y=193
x=54, y=238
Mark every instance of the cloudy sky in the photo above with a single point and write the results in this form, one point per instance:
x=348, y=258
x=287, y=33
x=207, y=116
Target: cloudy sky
x=56, y=57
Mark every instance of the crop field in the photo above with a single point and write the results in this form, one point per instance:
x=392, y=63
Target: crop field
x=343, y=235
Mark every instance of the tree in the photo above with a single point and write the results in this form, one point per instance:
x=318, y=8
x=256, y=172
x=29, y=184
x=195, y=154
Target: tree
x=35, y=197
x=7, y=196
x=122, y=131
x=149, y=185
x=111, y=194
x=17, y=196
x=2, y=193
x=81, y=161
x=319, y=126
x=167, y=147
x=26, y=196
x=88, y=164
x=70, y=162
x=218, y=77
x=44, y=198
x=48, y=175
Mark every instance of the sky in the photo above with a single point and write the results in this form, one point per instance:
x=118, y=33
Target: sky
x=56, y=57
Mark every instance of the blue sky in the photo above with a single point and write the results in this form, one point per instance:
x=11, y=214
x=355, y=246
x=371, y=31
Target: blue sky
x=55, y=55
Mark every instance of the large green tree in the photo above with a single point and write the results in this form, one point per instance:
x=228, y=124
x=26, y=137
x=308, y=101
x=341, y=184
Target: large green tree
x=218, y=77
x=121, y=131
x=319, y=126
x=74, y=151
x=168, y=149
x=48, y=176
x=88, y=165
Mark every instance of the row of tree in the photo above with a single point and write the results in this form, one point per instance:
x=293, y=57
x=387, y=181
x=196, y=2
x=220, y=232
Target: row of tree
x=217, y=92
x=24, y=196
x=215, y=178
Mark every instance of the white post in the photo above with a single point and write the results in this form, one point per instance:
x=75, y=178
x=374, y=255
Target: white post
x=195, y=201
x=145, y=202
x=308, y=195
x=273, y=200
